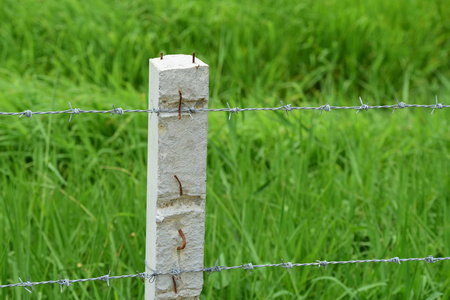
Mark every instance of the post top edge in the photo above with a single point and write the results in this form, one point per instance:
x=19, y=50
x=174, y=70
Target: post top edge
x=176, y=61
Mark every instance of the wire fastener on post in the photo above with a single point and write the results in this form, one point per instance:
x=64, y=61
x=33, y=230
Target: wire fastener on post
x=174, y=284
x=175, y=276
x=183, y=238
x=179, y=104
x=179, y=184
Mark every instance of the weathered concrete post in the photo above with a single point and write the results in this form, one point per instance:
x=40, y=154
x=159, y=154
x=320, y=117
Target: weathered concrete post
x=176, y=183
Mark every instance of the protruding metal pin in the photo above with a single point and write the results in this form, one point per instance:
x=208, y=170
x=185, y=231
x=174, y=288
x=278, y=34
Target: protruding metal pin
x=161, y=55
x=179, y=104
x=193, y=57
x=179, y=182
x=184, y=240
x=174, y=284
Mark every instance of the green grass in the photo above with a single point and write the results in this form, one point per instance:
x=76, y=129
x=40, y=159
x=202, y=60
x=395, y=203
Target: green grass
x=333, y=187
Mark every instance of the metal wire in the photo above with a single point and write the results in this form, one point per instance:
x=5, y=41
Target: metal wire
x=287, y=108
x=151, y=276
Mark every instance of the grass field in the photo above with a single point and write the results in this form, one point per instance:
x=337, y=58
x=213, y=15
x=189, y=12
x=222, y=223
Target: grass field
x=334, y=187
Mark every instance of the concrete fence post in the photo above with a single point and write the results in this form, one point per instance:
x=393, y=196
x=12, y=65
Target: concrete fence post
x=176, y=181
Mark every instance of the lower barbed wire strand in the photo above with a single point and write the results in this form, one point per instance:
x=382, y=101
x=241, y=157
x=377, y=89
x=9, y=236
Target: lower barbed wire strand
x=150, y=276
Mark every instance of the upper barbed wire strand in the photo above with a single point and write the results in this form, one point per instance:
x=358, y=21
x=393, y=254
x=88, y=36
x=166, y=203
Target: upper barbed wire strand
x=231, y=110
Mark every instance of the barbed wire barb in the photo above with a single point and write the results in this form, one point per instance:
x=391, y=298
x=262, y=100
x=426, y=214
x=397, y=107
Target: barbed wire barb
x=152, y=276
x=430, y=259
x=27, y=113
x=232, y=110
x=287, y=266
x=27, y=284
x=323, y=264
x=216, y=268
x=247, y=267
x=325, y=107
x=192, y=110
x=63, y=282
x=106, y=277
x=117, y=111
x=363, y=106
x=73, y=111
x=288, y=108
x=400, y=105
x=395, y=260
x=438, y=105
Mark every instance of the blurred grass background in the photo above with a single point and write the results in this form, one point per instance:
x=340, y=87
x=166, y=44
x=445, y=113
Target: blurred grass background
x=304, y=188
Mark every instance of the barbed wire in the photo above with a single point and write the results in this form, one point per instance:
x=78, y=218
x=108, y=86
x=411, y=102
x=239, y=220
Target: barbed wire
x=231, y=110
x=151, y=276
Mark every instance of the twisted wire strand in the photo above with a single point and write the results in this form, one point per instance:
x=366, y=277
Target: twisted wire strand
x=150, y=276
x=192, y=110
